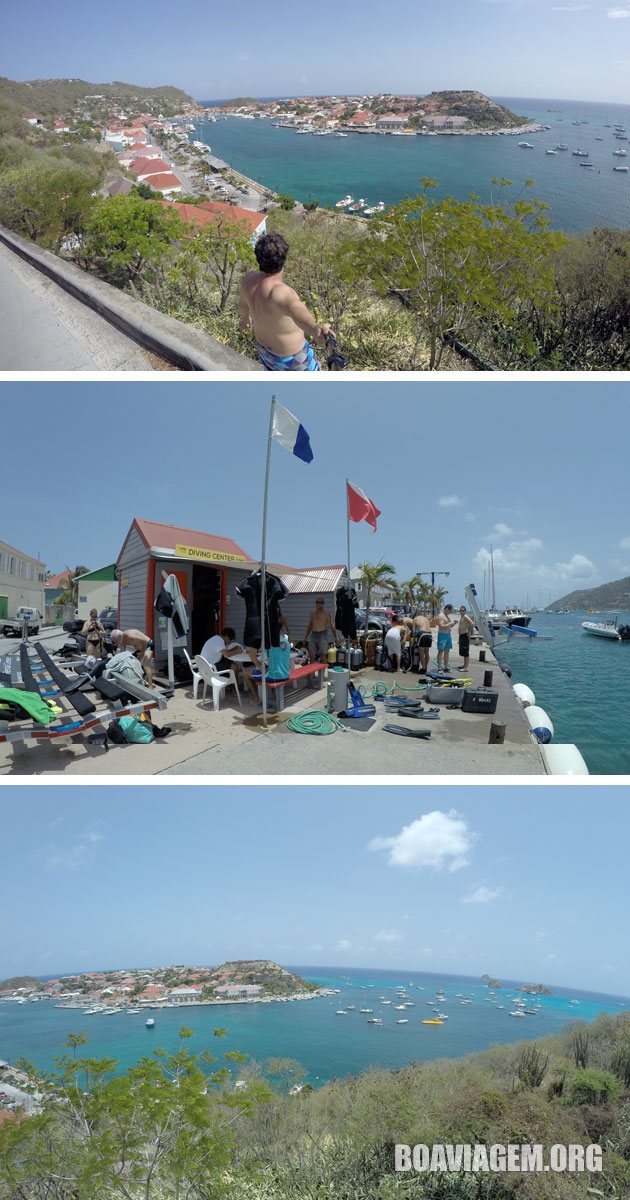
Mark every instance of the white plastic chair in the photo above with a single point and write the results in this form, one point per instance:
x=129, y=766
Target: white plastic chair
x=218, y=680
x=196, y=677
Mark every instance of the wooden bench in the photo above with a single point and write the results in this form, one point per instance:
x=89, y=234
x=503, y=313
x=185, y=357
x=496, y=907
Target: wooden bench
x=277, y=688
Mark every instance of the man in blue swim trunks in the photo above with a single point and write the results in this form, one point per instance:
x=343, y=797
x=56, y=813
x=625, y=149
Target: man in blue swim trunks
x=445, y=622
x=281, y=322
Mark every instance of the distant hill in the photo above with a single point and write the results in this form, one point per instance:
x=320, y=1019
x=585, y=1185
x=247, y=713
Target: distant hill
x=480, y=109
x=274, y=978
x=607, y=597
x=19, y=981
x=52, y=97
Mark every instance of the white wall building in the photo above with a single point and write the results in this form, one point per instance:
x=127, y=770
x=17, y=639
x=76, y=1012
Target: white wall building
x=21, y=581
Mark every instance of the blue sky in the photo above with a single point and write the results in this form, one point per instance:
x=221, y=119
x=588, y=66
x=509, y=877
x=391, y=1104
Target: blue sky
x=522, y=882
x=576, y=49
x=533, y=469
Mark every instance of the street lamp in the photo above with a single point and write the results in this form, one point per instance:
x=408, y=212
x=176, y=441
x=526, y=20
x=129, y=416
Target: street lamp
x=434, y=575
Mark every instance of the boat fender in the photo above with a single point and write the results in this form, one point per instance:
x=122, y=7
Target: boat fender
x=524, y=694
x=507, y=670
x=563, y=760
x=540, y=723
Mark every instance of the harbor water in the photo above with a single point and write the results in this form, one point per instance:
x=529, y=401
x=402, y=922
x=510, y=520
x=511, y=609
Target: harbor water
x=389, y=168
x=310, y=1031
x=582, y=683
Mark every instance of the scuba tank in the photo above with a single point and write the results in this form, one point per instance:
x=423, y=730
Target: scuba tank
x=378, y=657
x=415, y=656
x=341, y=656
x=331, y=656
x=356, y=659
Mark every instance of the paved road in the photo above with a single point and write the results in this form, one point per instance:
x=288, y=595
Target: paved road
x=43, y=328
x=52, y=639
x=29, y=1102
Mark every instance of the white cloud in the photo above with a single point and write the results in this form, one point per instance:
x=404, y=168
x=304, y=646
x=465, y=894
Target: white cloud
x=578, y=567
x=570, y=7
x=343, y=944
x=482, y=895
x=388, y=935
x=73, y=857
x=618, y=14
x=450, y=502
x=502, y=530
x=624, y=543
x=470, y=517
x=437, y=840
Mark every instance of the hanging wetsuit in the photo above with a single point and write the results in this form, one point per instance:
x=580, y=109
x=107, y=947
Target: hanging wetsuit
x=170, y=603
x=250, y=591
x=345, y=614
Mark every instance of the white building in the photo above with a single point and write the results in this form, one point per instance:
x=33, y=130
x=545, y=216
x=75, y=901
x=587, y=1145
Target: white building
x=239, y=991
x=97, y=589
x=381, y=596
x=21, y=581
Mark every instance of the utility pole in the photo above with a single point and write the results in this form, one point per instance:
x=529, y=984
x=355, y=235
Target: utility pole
x=433, y=575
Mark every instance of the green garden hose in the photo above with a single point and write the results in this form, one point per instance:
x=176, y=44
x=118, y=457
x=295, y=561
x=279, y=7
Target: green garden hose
x=381, y=689
x=317, y=721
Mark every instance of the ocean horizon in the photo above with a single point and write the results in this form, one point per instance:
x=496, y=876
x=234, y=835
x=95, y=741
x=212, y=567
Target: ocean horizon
x=309, y=1031
x=390, y=168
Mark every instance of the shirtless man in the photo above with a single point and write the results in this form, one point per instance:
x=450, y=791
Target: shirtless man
x=422, y=630
x=280, y=320
x=464, y=629
x=320, y=632
x=445, y=621
x=139, y=644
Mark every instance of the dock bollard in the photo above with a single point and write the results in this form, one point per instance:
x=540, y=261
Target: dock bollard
x=487, y=679
x=497, y=733
x=482, y=656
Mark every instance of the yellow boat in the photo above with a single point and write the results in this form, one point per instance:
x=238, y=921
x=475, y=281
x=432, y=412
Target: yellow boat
x=432, y=1021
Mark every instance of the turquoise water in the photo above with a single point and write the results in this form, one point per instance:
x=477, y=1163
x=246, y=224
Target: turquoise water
x=582, y=683
x=389, y=168
x=309, y=1031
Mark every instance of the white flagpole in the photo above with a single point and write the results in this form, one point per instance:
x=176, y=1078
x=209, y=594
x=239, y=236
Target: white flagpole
x=348, y=530
x=263, y=569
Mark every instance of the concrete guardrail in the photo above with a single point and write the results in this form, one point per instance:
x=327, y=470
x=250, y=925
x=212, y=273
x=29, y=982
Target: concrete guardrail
x=181, y=344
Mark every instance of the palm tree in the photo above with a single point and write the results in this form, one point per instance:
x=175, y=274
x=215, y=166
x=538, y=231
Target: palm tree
x=435, y=597
x=70, y=593
x=380, y=574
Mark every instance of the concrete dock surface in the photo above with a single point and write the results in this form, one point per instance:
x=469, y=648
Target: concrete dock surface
x=232, y=741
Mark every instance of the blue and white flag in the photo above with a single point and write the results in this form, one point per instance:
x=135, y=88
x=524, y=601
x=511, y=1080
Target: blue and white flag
x=286, y=430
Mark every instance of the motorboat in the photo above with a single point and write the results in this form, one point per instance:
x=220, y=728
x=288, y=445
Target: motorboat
x=149, y=1023
x=366, y=1010
x=375, y=1020
x=432, y=1021
x=518, y=1012
x=359, y=204
x=551, y=151
x=605, y=629
x=341, y=1012
x=526, y=145
x=342, y=135
x=402, y=1021
x=345, y=202
x=621, y=170
x=132, y=1012
x=620, y=153
x=589, y=166
x=561, y=146
x=511, y=615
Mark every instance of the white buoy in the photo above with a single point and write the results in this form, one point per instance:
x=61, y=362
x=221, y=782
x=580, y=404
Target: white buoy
x=540, y=723
x=524, y=694
x=563, y=760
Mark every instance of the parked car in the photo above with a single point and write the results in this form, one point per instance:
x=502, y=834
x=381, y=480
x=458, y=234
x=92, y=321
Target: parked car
x=15, y=627
x=108, y=618
x=377, y=624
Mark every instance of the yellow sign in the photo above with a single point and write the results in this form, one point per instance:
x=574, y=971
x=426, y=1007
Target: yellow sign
x=208, y=555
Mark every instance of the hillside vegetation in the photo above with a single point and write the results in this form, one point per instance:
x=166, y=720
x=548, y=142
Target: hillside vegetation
x=53, y=97
x=256, y=1131
x=606, y=597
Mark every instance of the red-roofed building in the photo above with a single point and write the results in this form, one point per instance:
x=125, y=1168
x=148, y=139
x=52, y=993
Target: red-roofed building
x=361, y=118
x=211, y=212
x=208, y=568
x=145, y=167
x=34, y=119
x=164, y=182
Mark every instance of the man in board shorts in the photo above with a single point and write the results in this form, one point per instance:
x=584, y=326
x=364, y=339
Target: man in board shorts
x=139, y=644
x=281, y=322
x=445, y=622
x=464, y=629
x=422, y=630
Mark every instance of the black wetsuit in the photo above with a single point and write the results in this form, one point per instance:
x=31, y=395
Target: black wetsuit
x=250, y=591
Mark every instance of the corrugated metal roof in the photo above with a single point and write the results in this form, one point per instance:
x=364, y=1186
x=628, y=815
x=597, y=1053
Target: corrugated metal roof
x=315, y=579
x=166, y=537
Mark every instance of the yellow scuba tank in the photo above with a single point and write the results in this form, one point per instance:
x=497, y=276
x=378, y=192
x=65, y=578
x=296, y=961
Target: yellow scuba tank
x=331, y=656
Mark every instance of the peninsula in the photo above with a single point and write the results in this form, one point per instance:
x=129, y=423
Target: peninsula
x=606, y=597
x=444, y=112
x=240, y=981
